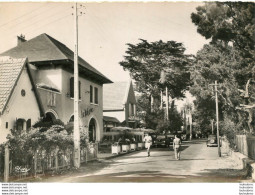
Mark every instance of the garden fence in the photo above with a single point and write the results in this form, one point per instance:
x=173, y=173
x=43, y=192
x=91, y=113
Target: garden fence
x=40, y=161
x=246, y=145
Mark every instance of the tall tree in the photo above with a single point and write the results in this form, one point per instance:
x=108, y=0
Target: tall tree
x=230, y=23
x=229, y=58
x=216, y=62
x=145, y=61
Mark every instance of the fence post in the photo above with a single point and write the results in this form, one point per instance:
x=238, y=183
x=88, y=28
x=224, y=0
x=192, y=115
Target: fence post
x=56, y=158
x=6, y=163
x=35, y=162
x=96, y=152
x=86, y=151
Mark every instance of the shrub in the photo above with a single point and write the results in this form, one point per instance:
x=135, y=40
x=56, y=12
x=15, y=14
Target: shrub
x=229, y=129
x=24, y=145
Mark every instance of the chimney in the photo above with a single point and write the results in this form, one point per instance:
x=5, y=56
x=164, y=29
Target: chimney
x=21, y=39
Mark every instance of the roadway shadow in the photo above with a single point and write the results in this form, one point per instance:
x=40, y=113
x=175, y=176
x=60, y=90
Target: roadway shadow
x=239, y=174
x=169, y=149
x=187, y=159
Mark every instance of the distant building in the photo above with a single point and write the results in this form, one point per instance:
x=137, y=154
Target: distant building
x=110, y=122
x=120, y=102
x=51, y=64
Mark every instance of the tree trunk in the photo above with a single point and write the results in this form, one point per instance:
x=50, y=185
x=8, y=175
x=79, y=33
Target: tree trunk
x=250, y=113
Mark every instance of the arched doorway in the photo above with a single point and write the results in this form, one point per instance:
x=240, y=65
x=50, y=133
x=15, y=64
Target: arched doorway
x=92, y=130
x=49, y=117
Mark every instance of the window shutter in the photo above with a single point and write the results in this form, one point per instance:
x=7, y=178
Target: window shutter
x=28, y=124
x=72, y=87
x=79, y=89
x=91, y=94
x=96, y=95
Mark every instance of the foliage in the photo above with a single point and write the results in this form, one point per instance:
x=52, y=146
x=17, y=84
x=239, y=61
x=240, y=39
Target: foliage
x=1, y=159
x=155, y=66
x=230, y=22
x=44, y=125
x=229, y=59
x=216, y=62
x=156, y=118
x=229, y=129
x=24, y=145
x=175, y=119
x=145, y=61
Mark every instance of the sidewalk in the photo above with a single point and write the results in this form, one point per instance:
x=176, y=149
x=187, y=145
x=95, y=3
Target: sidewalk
x=243, y=161
x=107, y=155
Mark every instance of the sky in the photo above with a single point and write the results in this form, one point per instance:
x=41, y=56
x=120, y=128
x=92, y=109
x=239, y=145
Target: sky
x=104, y=28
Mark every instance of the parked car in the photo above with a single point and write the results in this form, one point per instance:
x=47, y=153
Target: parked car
x=160, y=141
x=170, y=137
x=183, y=137
x=212, y=140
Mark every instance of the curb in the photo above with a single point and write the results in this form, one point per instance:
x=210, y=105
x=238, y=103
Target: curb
x=120, y=154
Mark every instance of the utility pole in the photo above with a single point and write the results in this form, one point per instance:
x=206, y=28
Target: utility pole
x=212, y=125
x=217, y=117
x=76, y=133
x=190, y=124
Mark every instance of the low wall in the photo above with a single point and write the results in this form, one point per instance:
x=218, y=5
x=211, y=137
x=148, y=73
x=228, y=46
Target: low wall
x=251, y=147
x=246, y=145
x=241, y=160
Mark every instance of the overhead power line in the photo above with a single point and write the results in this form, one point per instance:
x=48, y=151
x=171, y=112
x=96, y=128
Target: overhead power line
x=36, y=22
x=17, y=18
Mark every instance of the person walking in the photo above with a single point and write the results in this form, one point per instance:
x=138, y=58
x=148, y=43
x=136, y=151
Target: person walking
x=177, y=147
x=148, y=141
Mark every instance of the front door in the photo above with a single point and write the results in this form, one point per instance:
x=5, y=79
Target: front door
x=92, y=130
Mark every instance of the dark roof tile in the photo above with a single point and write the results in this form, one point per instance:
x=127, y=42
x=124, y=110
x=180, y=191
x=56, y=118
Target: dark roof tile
x=45, y=48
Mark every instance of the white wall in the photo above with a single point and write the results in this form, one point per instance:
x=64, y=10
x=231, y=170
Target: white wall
x=19, y=107
x=66, y=111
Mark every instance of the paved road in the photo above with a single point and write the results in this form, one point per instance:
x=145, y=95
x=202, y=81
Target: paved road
x=198, y=164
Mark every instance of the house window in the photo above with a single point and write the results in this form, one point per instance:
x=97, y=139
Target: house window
x=134, y=107
x=131, y=109
x=20, y=124
x=96, y=95
x=6, y=125
x=91, y=94
x=72, y=88
x=28, y=124
x=51, y=99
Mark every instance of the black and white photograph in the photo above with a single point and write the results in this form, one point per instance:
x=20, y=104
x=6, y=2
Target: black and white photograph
x=127, y=92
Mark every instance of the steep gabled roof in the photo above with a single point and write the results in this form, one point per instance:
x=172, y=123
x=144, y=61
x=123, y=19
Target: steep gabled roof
x=116, y=95
x=10, y=71
x=45, y=48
